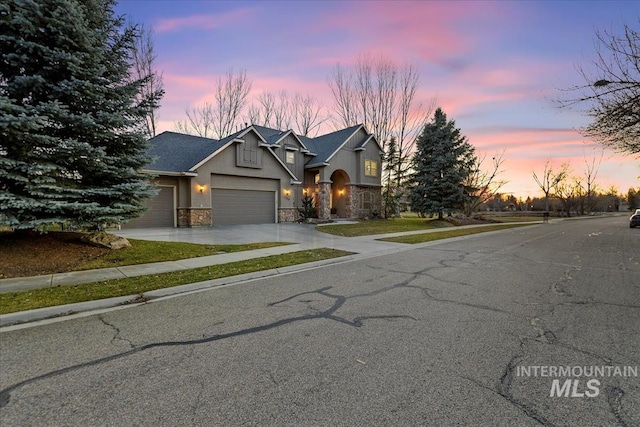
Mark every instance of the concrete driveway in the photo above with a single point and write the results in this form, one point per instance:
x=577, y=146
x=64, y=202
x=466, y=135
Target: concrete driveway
x=305, y=235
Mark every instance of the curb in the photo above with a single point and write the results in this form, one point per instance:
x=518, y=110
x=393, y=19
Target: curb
x=22, y=317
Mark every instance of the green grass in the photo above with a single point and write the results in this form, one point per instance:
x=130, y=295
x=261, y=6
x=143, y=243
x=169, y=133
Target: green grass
x=428, y=237
x=146, y=251
x=366, y=228
x=47, y=297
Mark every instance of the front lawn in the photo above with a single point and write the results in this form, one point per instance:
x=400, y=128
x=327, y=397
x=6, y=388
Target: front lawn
x=428, y=237
x=47, y=297
x=382, y=226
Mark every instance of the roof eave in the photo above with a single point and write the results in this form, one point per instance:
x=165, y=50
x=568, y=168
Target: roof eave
x=168, y=173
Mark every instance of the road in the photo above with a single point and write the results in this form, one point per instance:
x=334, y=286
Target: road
x=477, y=331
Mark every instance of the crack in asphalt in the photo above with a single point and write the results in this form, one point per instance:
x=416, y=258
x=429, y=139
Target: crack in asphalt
x=614, y=399
x=116, y=336
x=329, y=314
x=526, y=409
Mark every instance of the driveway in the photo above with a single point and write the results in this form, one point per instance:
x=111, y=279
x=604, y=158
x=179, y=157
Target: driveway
x=305, y=235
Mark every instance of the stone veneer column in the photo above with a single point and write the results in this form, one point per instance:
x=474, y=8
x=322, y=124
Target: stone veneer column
x=324, y=207
x=351, y=209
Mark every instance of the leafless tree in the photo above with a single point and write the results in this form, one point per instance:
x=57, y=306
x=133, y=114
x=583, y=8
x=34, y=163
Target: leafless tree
x=231, y=97
x=306, y=114
x=590, y=175
x=549, y=180
x=565, y=190
x=483, y=185
x=219, y=119
x=382, y=96
x=144, y=68
x=200, y=121
x=611, y=94
x=285, y=112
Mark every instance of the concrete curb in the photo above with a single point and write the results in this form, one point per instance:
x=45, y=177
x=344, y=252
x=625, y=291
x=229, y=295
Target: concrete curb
x=68, y=309
x=63, y=310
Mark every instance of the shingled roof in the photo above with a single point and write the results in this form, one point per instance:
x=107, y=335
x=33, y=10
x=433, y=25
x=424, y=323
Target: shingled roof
x=325, y=146
x=179, y=153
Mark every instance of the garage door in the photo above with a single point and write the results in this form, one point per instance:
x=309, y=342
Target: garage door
x=160, y=212
x=243, y=206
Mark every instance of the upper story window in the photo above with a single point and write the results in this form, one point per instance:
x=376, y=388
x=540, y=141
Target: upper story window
x=370, y=168
x=290, y=157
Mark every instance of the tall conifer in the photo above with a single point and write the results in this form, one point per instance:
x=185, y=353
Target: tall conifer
x=441, y=163
x=71, y=119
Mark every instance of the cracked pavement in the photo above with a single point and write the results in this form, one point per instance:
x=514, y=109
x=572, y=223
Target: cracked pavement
x=436, y=335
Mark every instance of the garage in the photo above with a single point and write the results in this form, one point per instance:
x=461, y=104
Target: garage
x=160, y=213
x=243, y=206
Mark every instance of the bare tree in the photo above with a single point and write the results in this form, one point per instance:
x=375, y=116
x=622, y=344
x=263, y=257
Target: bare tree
x=482, y=185
x=342, y=88
x=565, y=190
x=144, y=68
x=382, y=96
x=306, y=114
x=200, y=121
x=285, y=112
x=282, y=111
x=590, y=175
x=612, y=92
x=549, y=180
x=220, y=118
x=231, y=97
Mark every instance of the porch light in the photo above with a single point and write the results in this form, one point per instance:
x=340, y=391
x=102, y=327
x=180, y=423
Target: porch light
x=201, y=188
x=341, y=192
x=287, y=192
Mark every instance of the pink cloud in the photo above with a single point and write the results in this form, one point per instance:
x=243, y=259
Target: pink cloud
x=208, y=21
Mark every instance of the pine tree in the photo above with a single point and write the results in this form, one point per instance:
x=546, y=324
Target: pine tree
x=441, y=163
x=391, y=191
x=71, y=119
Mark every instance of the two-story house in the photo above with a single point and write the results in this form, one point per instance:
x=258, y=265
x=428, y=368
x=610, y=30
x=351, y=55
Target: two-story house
x=260, y=175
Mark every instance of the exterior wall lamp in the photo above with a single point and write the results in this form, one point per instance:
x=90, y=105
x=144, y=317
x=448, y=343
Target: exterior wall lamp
x=201, y=188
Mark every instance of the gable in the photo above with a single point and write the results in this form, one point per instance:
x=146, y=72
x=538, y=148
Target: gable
x=248, y=152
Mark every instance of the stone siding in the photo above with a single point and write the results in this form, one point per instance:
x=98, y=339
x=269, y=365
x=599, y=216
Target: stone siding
x=324, y=207
x=288, y=215
x=194, y=217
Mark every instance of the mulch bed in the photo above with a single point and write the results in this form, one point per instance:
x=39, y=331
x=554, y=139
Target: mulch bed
x=28, y=253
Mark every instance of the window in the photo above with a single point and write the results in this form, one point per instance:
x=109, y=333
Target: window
x=290, y=157
x=365, y=202
x=370, y=168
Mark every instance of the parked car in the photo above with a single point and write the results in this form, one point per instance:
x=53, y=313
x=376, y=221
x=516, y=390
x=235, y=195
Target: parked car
x=634, y=220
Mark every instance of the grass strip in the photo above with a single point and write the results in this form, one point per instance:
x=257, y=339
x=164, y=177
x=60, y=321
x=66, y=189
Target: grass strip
x=147, y=251
x=383, y=226
x=47, y=297
x=428, y=237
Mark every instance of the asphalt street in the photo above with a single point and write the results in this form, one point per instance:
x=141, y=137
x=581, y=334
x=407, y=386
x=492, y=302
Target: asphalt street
x=524, y=327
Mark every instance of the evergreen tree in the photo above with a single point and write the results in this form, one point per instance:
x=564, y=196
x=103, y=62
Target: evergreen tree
x=442, y=161
x=71, y=118
x=391, y=191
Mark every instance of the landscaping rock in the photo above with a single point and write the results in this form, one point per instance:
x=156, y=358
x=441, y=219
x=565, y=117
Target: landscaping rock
x=106, y=240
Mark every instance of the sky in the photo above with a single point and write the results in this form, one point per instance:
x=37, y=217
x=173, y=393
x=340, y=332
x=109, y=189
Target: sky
x=496, y=68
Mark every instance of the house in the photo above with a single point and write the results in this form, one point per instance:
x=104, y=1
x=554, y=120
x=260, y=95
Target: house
x=260, y=175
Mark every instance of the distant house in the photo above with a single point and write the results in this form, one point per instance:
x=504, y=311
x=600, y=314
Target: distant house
x=260, y=175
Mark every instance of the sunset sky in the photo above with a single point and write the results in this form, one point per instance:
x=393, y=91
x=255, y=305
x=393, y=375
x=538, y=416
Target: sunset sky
x=493, y=67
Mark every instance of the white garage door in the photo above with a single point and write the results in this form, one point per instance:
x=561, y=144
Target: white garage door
x=160, y=212
x=243, y=206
